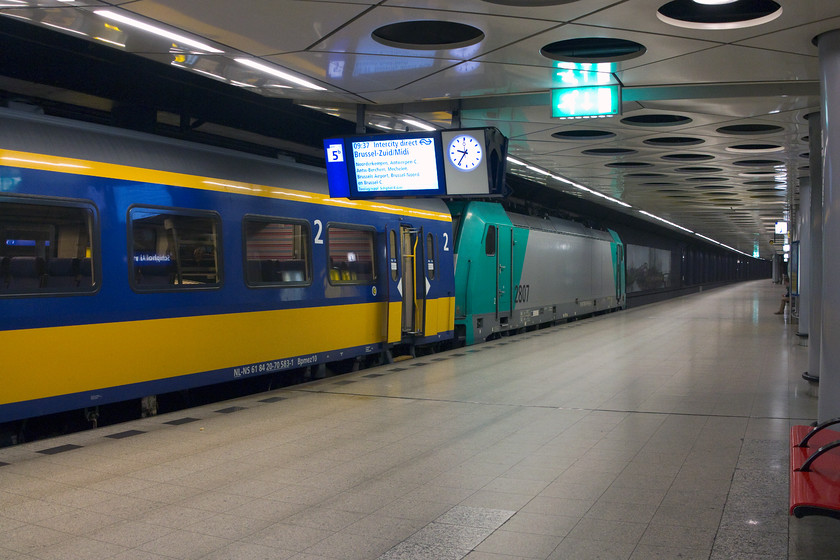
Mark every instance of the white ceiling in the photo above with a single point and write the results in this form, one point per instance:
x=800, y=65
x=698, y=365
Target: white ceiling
x=764, y=74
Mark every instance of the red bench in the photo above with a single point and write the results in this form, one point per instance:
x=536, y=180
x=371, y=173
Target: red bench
x=815, y=470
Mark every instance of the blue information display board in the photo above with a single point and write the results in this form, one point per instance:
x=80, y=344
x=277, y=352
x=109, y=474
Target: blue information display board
x=462, y=162
x=388, y=165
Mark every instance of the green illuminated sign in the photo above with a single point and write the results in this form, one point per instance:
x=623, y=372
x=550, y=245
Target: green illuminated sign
x=580, y=78
x=585, y=102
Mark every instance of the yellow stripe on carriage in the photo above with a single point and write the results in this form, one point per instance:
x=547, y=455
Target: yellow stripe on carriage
x=61, y=360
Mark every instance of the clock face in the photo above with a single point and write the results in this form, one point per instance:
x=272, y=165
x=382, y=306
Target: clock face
x=465, y=152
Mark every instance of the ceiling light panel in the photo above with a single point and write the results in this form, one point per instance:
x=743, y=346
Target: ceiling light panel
x=428, y=35
x=471, y=78
x=362, y=73
x=725, y=64
x=797, y=38
x=355, y=36
x=48, y=3
x=534, y=9
x=528, y=50
x=117, y=28
x=178, y=41
x=643, y=14
x=259, y=27
x=280, y=73
x=701, y=199
x=59, y=18
x=718, y=14
x=262, y=82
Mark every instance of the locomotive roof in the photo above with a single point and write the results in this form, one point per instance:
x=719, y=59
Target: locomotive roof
x=556, y=225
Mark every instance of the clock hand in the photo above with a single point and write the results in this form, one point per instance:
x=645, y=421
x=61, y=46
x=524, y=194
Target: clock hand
x=463, y=155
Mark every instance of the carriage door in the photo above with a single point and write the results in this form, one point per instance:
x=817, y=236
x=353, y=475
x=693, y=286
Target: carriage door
x=504, y=270
x=394, y=300
x=413, y=280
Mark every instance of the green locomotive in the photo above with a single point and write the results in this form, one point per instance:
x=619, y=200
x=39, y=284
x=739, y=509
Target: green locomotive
x=514, y=271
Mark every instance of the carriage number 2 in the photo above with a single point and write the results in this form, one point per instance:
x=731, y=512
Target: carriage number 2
x=521, y=293
x=318, y=239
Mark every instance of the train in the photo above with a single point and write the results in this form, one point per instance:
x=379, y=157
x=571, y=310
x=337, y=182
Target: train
x=133, y=265
x=514, y=271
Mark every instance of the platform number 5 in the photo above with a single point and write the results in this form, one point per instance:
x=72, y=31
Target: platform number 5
x=335, y=152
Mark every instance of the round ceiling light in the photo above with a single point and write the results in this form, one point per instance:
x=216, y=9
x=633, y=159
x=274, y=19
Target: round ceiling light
x=688, y=157
x=758, y=162
x=749, y=129
x=775, y=191
x=593, y=50
x=731, y=15
x=608, y=152
x=754, y=174
x=706, y=179
x=656, y=120
x=754, y=148
x=629, y=164
x=427, y=35
x=698, y=169
x=530, y=3
x=672, y=141
x=583, y=135
x=775, y=183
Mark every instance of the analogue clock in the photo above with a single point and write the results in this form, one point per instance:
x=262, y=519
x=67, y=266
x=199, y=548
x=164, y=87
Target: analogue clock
x=465, y=152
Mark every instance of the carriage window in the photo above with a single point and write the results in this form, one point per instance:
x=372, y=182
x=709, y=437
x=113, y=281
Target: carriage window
x=174, y=249
x=490, y=241
x=430, y=256
x=350, y=255
x=46, y=247
x=276, y=251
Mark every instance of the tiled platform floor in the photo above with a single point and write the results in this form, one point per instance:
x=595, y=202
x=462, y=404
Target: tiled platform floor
x=656, y=433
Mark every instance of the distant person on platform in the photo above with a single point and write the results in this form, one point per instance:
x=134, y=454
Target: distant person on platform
x=786, y=297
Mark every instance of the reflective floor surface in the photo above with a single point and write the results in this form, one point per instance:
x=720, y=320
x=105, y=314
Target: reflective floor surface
x=660, y=432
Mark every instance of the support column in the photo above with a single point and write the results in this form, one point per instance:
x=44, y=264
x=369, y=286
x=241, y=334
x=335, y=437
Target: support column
x=829, y=401
x=361, y=119
x=803, y=234
x=456, y=115
x=815, y=281
x=777, y=267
